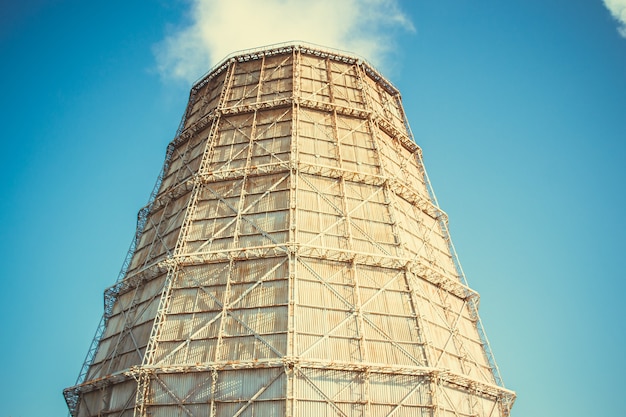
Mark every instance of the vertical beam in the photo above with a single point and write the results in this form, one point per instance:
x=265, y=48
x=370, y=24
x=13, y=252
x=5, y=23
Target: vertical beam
x=290, y=405
x=435, y=381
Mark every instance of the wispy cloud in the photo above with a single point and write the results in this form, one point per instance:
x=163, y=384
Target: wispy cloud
x=219, y=27
x=618, y=10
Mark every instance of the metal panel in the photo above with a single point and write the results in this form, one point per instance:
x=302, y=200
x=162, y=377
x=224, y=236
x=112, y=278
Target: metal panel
x=291, y=261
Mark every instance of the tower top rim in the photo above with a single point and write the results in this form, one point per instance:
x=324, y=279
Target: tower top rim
x=250, y=54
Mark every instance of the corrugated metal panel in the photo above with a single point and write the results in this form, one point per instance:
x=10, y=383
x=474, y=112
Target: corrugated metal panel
x=201, y=351
x=378, y=232
x=325, y=295
x=124, y=361
x=383, y=352
x=146, y=237
x=114, y=323
x=192, y=387
x=253, y=270
x=334, y=348
x=141, y=333
x=183, y=300
x=318, y=152
x=328, y=270
x=221, y=190
x=206, y=99
x=103, y=350
x=165, y=411
x=309, y=200
x=123, y=395
x=159, y=394
x=212, y=209
x=315, y=124
x=233, y=132
x=166, y=353
x=386, y=302
x=227, y=158
x=374, y=95
x=329, y=187
x=273, y=201
x=127, y=413
x=312, y=221
x=151, y=289
x=201, y=276
x=456, y=399
x=270, y=150
x=271, y=221
x=176, y=327
x=313, y=320
x=248, y=348
x=363, y=193
x=270, y=293
x=244, y=384
x=325, y=270
x=392, y=389
x=273, y=123
x=215, y=246
x=259, y=320
x=202, y=230
x=365, y=246
x=261, y=184
x=91, y=401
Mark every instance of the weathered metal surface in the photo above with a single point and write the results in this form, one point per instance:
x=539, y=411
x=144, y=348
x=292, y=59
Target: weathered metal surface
x=292, y=261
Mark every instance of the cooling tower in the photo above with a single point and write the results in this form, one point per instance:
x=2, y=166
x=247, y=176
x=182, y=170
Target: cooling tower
x=292, y=261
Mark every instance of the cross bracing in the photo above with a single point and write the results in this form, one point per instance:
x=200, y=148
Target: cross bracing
x=292, y=260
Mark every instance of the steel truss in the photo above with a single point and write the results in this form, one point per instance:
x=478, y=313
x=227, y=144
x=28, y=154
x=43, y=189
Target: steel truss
x=292, y=260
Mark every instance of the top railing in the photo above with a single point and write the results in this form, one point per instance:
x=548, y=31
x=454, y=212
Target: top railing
x=308, y=47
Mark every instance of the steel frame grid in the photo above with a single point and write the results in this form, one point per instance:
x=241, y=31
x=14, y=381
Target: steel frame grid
x=392, y=188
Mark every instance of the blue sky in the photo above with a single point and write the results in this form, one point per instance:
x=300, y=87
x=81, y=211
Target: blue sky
x=519, y=107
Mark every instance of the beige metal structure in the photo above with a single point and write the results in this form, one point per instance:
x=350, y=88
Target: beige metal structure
x=291, y=262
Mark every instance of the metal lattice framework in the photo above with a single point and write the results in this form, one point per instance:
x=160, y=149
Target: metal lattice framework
x=292, y=261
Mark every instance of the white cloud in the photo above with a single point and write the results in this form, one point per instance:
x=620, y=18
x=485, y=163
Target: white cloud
x=618, y=10
x=220, y=27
